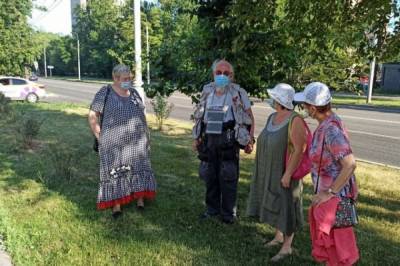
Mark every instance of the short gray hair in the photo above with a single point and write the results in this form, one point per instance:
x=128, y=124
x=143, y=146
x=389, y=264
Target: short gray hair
x=221, y=61
x=120, y=69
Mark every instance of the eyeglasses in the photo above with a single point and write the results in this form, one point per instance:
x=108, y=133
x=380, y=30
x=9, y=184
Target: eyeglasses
x=226, y=73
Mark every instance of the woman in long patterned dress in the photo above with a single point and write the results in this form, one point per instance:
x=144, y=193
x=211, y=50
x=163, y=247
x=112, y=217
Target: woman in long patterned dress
x=275, y=198
x=124, y=150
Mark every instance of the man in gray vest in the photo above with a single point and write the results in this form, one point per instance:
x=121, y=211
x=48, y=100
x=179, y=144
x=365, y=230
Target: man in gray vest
x=224, y=124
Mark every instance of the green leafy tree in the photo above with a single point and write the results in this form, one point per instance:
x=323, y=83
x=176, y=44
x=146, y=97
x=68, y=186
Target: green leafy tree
x=17, y=48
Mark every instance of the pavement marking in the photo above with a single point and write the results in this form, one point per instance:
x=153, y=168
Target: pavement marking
x=183, y=106
x=373, y=134
x=370, y=119
x=180, y=97
x=376, y=163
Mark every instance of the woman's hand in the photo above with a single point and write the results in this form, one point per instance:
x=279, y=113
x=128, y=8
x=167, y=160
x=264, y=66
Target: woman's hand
x=285, y=181
x=97, y=135
x=321, y=197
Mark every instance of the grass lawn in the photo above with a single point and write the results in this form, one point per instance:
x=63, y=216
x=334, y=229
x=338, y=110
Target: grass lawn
x=392, y=103
x=48, y=200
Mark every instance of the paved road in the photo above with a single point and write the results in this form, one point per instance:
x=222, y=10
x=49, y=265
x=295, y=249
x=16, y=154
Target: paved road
x=374, y=133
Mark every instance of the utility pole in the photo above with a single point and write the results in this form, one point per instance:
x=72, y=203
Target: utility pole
x=148, y=54
x=371, y=80
x=79, y=59
x=138, y=50
x=45, y=65
x=372, y=39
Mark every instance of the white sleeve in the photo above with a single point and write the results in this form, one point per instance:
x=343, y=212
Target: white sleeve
x=245, y=99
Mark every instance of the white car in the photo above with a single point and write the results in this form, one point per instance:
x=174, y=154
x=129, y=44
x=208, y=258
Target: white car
x=21, y=89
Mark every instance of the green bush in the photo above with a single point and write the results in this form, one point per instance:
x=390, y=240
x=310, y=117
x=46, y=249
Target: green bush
x=64, y=160
x=162, y=109
x=28, y=127
x=5, y=107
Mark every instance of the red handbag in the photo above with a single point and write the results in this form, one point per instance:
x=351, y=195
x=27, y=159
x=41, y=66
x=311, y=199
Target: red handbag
x=304, y=167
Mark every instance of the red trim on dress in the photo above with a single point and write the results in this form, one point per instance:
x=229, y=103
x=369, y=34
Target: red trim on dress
x=126, y=199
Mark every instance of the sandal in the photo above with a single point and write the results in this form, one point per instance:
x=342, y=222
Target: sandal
x=116, y=214
x=140, y=204
x=281, y=255
x=274, y=242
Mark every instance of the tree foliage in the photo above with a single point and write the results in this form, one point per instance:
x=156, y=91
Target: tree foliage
x=268, y=41
x=17, y=47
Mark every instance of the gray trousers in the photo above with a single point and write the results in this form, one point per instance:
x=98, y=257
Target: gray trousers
x=221, y=174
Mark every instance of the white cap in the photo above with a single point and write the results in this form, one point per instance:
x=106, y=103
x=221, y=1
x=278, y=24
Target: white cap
x=315, y=93
x=282, y=93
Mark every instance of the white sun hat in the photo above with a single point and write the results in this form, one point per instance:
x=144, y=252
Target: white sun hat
x=283, y=93
x=315, y=93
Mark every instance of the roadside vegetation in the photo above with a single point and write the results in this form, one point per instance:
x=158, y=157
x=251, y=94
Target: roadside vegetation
x=48, y=194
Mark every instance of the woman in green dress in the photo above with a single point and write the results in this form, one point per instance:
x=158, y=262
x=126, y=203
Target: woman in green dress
x=275, y=198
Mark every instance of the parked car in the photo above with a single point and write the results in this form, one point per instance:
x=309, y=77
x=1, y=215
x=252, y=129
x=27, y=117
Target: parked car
x=21, y=89
x=33, y=77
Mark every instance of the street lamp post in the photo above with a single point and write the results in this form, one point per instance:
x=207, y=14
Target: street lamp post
x=138, y=50
x=79, y=58
x=371, y=79
x=45, y=64
x=372, y=43
x=148, y=54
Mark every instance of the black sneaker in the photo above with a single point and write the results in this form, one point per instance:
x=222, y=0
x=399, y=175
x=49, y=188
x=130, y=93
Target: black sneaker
x=206, y=215
x=116, y=214
x=227, y=220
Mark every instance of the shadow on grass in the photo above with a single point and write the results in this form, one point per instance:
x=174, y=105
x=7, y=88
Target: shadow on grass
x=169, y=226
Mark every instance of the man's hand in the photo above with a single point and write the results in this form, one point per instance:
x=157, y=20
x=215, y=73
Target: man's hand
x=249, y=148
x=195, y=144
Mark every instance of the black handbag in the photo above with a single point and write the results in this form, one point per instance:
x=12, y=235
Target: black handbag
x=96, y=142
x=346, y=213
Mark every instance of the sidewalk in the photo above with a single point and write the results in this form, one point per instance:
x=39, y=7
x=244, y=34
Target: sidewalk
x=5, y=259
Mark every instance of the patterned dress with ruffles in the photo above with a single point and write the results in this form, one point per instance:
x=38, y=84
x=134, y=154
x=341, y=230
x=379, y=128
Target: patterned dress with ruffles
x=124, y=150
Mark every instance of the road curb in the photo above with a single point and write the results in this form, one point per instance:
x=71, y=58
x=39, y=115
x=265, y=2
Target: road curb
x=82, y=80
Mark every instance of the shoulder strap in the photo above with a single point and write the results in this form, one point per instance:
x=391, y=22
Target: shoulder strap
x=292, y=116
x=136, y=94
x=104, y=105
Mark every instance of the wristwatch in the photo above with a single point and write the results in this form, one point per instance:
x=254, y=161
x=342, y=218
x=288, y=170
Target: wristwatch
x=331, y=191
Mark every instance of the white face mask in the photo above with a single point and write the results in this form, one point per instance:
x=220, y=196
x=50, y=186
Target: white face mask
x=304, y=113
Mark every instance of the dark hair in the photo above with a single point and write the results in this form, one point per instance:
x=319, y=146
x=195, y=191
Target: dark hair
x=322, y=109
x=283, y=107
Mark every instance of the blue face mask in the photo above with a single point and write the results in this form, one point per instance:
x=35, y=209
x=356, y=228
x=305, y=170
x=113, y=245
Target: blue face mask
x=221, y=80
x=125, y=85
x=271, y=103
